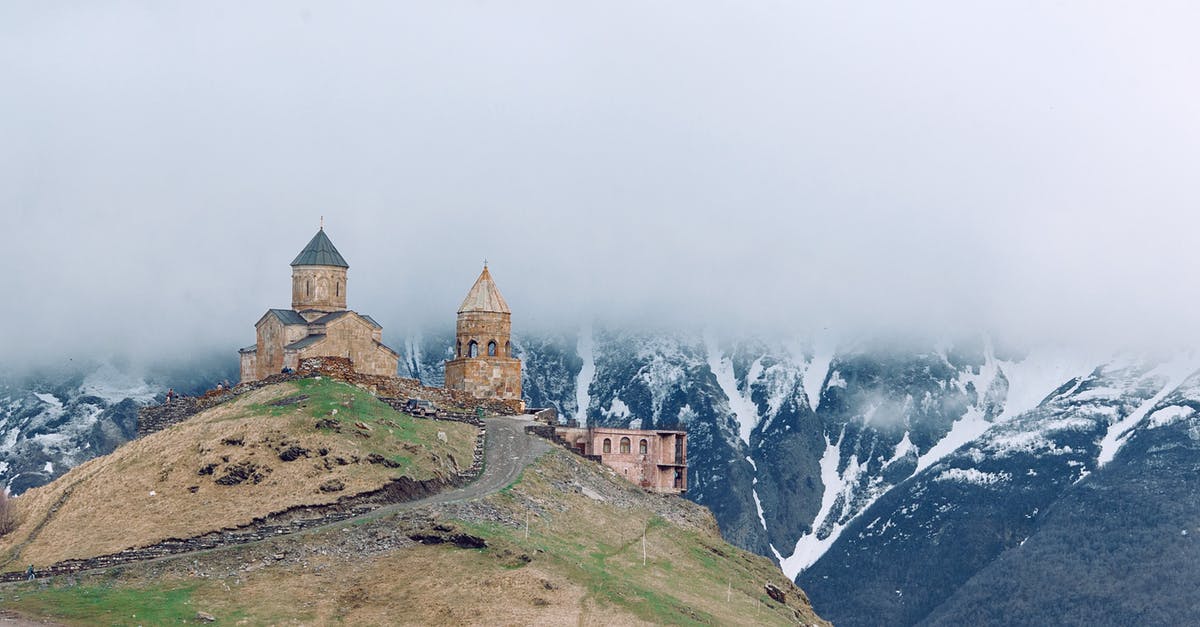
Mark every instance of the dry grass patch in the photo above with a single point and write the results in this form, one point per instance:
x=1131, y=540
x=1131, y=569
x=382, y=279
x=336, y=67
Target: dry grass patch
x=261, y=453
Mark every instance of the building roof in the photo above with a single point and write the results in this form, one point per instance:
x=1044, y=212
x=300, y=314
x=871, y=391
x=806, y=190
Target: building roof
x=320, y=252
x=306, y=342
x=286, y=316
x=484, y=296
x=329, y=317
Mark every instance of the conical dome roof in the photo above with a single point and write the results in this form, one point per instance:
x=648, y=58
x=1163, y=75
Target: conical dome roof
x=484, y=296
x=320, y=252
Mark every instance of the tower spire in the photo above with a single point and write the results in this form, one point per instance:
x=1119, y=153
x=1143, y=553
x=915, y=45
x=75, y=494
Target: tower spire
x=322, y=226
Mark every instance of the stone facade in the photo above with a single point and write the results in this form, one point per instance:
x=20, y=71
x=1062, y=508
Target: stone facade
x=319, y=289
x=483, y=365
x=318, y=324
x=654, y=460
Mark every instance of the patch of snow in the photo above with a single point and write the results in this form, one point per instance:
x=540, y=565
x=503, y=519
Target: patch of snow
x=752, y=464
x=758, y=506
x=617, y=409
x=114, y=386
x=971, y=475
x=49, y=399
x=585, y=349
x=836, y=380
x=809, y=548
x=903, y=447
x=817, y=369
x=1172, y=374
x=48, y=468
x=1169, y=415
x=744, y=409
x=965, y=429
x=1032, y=379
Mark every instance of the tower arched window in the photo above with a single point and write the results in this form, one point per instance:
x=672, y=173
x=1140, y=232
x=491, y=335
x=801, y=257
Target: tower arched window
x=508, y=349
x=308, y=288
x=492, y=348
x=337, y=289
x=642, y=446
x=458, y=348
x=624, y=445
x=607, y=445
x=473, y=349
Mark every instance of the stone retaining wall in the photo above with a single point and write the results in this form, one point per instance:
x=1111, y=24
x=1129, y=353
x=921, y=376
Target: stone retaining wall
x=451, y=404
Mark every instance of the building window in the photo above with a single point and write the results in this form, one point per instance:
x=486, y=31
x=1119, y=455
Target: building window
x=337, y=289
x=642, y=447
x=624, y=445
x=607, y=445
x=458, y=348
x=508, y=349
x=492, y=348
x=473, y=349
x=308, y=288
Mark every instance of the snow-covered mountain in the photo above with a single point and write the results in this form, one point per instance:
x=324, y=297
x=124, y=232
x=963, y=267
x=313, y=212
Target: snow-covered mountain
x=54, y=419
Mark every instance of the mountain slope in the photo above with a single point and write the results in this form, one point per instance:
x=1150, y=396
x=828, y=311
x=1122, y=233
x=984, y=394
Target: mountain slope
x=569, y=542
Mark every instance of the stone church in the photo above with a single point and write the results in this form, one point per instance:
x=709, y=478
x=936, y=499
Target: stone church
x=318, y=324
x=483, y=363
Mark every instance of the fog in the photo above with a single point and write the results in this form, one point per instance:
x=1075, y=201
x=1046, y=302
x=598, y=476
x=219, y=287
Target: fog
x=1027, y=169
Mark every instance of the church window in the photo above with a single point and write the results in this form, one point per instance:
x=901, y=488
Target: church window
x=308, y=288
x=492, y=348
x=607, y=445
x=508, y=349
x=458, y=348
x=473, y=349
x=337, y=289
x=624, y=445
x=642, y=447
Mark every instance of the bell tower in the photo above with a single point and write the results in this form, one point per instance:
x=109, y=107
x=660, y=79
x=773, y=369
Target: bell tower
x=483, y=362
x=319, y=277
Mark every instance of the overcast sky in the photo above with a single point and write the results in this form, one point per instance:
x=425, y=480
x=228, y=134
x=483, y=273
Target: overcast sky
x=1024, y=168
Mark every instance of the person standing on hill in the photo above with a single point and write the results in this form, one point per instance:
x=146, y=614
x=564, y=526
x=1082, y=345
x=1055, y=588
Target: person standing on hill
x=29, y=573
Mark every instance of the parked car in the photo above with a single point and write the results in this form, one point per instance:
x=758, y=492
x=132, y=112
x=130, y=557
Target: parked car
x=419, y=407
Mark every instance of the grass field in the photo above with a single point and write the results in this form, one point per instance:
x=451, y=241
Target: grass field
x=226, y=466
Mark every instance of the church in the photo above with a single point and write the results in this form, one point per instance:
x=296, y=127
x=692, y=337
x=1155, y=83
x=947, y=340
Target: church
x=318, y=324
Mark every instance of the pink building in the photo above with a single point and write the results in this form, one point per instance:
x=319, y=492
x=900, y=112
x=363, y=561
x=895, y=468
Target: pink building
x=654, y=460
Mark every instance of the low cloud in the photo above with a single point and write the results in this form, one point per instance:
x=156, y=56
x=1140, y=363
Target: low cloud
x=1023, y=171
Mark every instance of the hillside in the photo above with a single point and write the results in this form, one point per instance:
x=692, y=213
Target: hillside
x=301, y=443
x=472, y=562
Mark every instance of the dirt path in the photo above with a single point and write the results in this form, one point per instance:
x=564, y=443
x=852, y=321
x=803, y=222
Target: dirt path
x=507, y=451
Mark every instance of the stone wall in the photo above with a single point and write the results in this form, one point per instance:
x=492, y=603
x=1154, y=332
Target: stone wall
x=401, y=388
x=353, y=337
x=452, y=404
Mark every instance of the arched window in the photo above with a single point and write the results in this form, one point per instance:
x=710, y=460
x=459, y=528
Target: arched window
x=458, y=348
x=308, y=288
x=473, y=349
x=607, y=445
x=508, y=349
x=492, y=348
x=337, y=289
x=642, y=447
x=624, y=445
